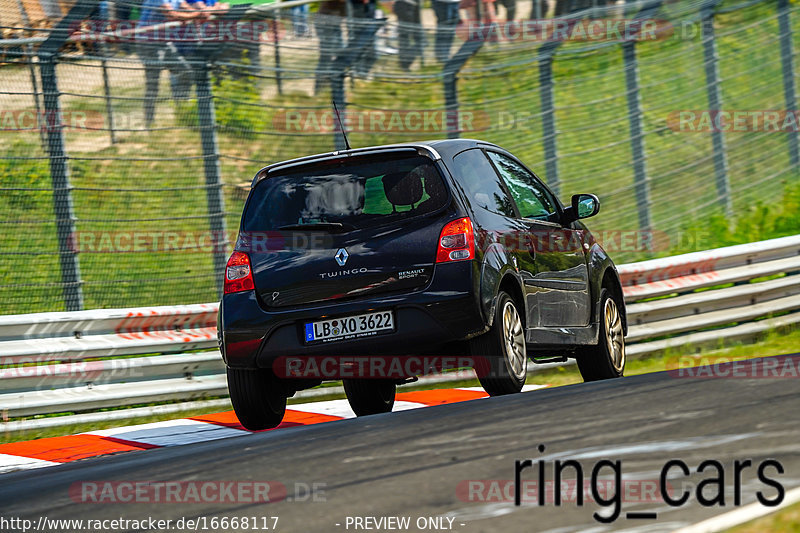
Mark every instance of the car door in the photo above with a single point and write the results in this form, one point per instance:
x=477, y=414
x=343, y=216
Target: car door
x=561, y=279
x=497, y=223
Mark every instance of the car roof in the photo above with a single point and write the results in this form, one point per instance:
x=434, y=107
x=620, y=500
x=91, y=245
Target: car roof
x=437, y=149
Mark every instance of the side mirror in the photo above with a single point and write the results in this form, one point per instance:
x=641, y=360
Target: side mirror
x=583, y=206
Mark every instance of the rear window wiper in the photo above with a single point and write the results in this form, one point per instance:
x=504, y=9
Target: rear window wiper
x=336, y=227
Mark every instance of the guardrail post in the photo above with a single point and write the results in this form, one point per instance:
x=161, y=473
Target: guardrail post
x=62, y=190
x=787, y=63
x=547, y=99
x=711, y=59
x=640, y=180
x=216, y=201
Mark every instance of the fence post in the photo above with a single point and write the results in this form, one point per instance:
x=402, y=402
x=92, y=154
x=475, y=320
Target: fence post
x=276, y=42
x=711, y=58
x=62, y=190
x=547, y=99
x=549, y=122
x=216, y=201
x=640, y=180
x=107, y=91
x=451, y=122
x=420, y=32
x=450, y=72
x=787, y=63
x=59, y=169
x=35, y=86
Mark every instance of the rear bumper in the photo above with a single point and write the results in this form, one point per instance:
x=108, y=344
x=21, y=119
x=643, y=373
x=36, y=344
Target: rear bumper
x=448, y=310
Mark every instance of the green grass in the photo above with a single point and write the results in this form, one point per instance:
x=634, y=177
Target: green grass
x=154, y=181
x=784, y=521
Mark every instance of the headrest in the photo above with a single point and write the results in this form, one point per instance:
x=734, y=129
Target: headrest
x=402, y=188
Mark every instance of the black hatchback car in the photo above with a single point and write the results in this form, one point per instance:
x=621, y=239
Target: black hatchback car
x=441, y=247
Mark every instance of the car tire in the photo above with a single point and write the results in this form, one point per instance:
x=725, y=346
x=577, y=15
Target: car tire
x=501, y=358
x=606, y=360
x=258, y=398
x=370, y=396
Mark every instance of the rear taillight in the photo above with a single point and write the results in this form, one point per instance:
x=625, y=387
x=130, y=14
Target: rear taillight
x=457, y=241
x=238, y=275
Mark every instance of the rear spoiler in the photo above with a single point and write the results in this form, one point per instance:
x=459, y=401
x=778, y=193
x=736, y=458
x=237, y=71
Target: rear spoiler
x=420, y=149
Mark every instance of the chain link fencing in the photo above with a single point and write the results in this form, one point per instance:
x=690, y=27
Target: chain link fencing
x=128, y=147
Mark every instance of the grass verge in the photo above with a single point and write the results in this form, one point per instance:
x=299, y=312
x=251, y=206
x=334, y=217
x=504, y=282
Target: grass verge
x=784, y=521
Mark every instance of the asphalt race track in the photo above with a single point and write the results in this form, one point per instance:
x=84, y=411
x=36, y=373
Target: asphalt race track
x=439, y=461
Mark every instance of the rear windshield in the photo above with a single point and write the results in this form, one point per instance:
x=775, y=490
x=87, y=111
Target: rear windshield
x=354, y=193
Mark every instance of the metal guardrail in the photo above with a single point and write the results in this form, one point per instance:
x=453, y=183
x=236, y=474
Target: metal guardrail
x=64, y=336
x=44, y=367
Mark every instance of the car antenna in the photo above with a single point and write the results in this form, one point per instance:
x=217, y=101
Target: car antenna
x=341, y=126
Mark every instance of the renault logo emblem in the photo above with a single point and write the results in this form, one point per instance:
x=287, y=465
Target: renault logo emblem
x=341, y=256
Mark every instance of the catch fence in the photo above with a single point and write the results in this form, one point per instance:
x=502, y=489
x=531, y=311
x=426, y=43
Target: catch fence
x=127, y=150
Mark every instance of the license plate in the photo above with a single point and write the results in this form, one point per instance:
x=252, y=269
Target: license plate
x=349, y=327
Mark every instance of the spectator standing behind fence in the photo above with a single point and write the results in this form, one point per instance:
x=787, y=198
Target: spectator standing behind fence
x=511, y=8
x=409, y=32
x=122, y=13
x=300, y=20
x=488, y=12
x=328, y=23
x=446, y=22
x=363, y=18
x=160, y=55
x=211, y=7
